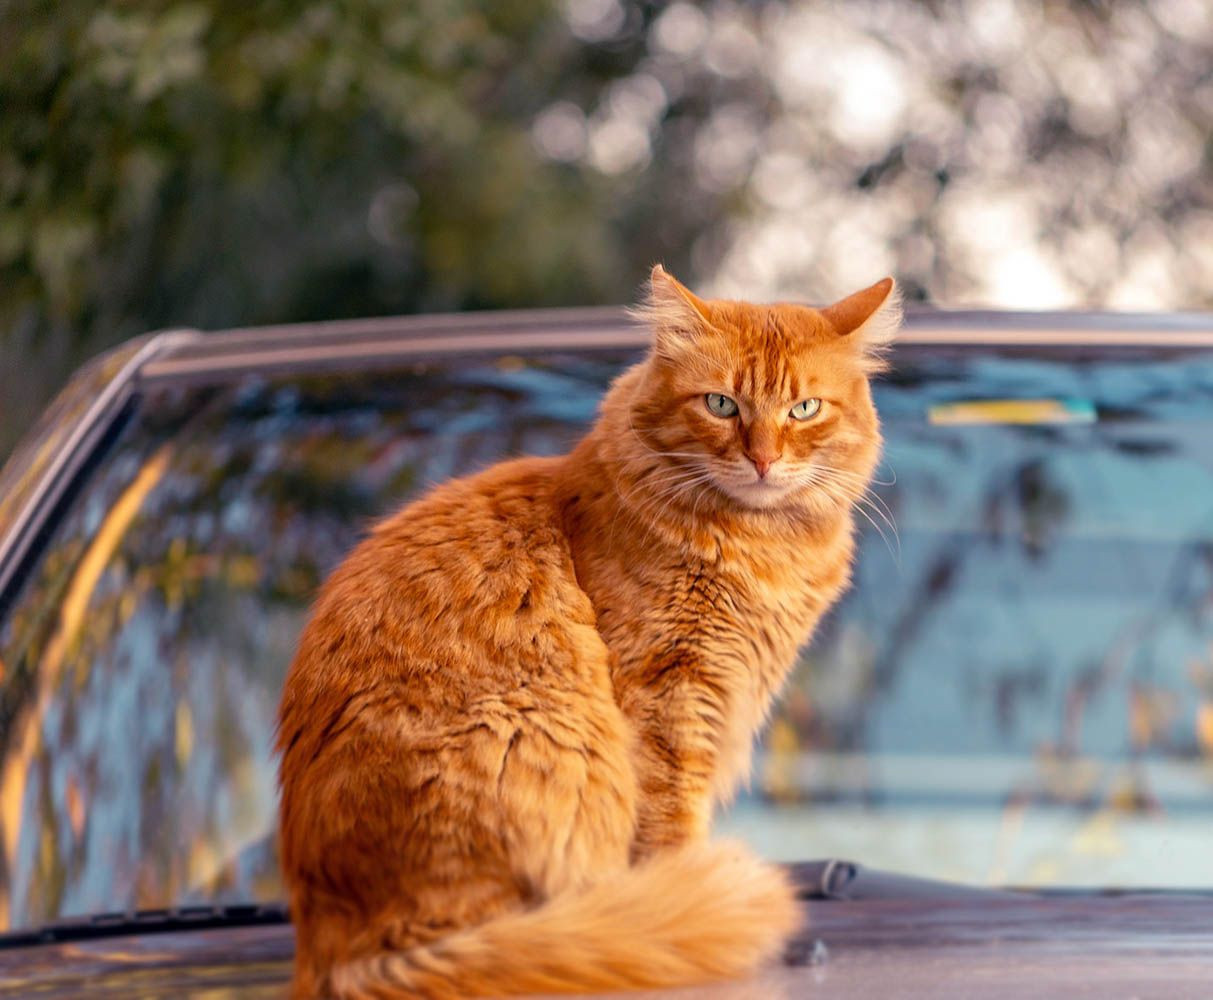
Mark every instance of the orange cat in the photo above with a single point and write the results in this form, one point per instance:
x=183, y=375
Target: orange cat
x=518, y=700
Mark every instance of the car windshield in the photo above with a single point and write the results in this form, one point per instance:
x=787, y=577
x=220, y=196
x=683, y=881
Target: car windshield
x=1018, y=688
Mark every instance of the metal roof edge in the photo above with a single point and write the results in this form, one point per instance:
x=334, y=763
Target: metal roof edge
x=365, y=341
x=76, y=448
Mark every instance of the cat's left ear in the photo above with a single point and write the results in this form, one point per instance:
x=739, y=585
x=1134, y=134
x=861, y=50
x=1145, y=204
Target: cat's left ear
x=870, y=318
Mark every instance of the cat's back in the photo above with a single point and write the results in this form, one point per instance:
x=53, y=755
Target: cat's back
x=474, y=538
x=436, y=722
x=479, y=563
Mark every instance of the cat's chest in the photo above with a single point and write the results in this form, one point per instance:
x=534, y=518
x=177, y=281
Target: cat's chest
x=699, y=629
x=712, y=616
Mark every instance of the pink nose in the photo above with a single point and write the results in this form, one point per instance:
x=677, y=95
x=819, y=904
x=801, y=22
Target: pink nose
x=763, y=465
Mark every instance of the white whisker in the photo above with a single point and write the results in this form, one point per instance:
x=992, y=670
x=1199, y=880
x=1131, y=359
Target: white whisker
x=864, y=500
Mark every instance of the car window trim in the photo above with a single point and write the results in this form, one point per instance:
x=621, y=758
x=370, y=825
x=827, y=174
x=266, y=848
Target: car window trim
x=92, y=430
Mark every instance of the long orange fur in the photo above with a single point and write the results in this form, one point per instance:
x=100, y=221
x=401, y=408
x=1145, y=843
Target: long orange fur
x=517, y=702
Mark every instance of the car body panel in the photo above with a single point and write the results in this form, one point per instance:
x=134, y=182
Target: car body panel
x=1112, y=948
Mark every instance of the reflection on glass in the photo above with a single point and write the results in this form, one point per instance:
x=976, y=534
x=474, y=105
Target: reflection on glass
x=1019, y=686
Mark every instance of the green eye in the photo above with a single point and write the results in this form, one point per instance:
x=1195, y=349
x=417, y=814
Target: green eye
x=806, y=409
x=720, y=405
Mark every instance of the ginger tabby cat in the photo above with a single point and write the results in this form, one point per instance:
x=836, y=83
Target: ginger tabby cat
x=517, y=702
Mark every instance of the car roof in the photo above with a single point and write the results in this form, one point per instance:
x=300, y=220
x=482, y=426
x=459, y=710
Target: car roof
x=360, y=343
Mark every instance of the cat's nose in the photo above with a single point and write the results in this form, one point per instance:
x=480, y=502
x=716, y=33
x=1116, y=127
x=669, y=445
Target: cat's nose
x=763, y=463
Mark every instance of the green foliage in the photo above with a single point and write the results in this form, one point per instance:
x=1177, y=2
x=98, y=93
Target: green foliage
x=220, y=163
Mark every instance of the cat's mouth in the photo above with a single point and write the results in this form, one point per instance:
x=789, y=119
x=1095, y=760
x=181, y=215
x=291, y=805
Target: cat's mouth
x=760, y=493
x=790, y=487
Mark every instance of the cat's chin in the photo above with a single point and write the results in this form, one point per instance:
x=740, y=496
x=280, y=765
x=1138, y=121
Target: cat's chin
x=759, y=494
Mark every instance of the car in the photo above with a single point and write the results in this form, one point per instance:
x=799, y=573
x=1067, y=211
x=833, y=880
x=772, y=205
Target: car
x=1000, y=743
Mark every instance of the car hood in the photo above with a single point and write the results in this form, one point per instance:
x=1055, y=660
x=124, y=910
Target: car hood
x=866, y=934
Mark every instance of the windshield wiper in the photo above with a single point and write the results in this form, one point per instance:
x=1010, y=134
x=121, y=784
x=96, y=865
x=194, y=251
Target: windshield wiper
x=180, y=918
x=831, y=879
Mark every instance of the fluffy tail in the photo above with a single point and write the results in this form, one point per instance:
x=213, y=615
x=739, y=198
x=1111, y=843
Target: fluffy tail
x=711, y=911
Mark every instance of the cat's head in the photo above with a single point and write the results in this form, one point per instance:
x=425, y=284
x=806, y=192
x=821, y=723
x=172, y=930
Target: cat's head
x=765, y=405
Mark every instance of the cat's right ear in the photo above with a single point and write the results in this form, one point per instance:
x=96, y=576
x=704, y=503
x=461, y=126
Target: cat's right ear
x=674, y=313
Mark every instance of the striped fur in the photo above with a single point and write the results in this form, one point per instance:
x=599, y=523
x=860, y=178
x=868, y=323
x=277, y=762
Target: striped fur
x=517, y=702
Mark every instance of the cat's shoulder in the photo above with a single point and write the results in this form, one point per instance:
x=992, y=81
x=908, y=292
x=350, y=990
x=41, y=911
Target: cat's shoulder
x=501, y=522
x=510, y=495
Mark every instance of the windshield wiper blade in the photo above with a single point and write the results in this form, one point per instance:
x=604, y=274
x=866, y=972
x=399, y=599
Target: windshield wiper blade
x=830, y=879
x=179, y=918
x=833, y=879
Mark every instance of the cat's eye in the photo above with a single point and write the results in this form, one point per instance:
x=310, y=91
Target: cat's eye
x=720, y=405
x=806, y=409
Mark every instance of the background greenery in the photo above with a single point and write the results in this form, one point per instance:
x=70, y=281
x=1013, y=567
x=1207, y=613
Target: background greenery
x=215, y=163
x=228, y=163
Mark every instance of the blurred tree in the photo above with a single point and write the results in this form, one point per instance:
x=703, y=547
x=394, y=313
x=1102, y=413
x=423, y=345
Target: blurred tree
x=1014, y=154
x=209, y=163
x=220, y=163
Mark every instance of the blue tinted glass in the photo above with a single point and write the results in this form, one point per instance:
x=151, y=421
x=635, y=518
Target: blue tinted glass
x=1018, y=688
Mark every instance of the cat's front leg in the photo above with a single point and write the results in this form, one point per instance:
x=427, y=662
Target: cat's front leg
x=677, y=755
